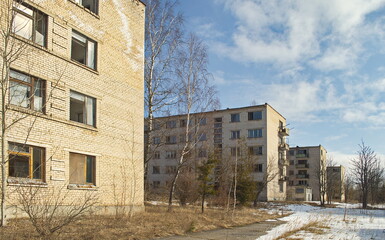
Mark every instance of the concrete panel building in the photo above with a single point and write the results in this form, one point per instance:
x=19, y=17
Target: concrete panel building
x=76, y=92
x=261, y=129
x=305, y=165
x=336, y=183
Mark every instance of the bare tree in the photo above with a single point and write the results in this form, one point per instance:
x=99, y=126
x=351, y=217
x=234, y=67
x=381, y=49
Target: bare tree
x=332, y=183
x=196, y=95
x=375, y=180
x=364, y=167
x=50, y=210
x=163, y=37
x=269, y=174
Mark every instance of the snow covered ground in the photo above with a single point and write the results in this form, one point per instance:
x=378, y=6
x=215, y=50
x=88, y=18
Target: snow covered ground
x=358, y=223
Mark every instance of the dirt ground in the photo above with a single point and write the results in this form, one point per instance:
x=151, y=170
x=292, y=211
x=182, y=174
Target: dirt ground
x=155, y=222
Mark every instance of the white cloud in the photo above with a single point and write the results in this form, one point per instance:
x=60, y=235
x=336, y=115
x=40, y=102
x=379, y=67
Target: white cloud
x=327, y=34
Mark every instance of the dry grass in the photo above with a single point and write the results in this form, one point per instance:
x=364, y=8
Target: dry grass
x=315, y=227
x=155, y=222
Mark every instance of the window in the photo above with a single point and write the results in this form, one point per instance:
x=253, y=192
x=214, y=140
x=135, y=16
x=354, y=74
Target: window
x=235, y=117
x=82, y=108
x=171, y=124
x=26, y=161
x=156, y=125
x=258, y=168
x=170, y=154
x=291, y=152
x=92, y=5
x=83, y=50
x=255, y=115
x=156, y=155
x=156, y=140
x=291, y=173
x=235, y=134
x=203, y=121
x=291, y=162
x=280, y=186
x=155, y=170
x=254, y=133
x=302, y=182
x=170, y=139
x=235, y=151
x=255, y=150
x=82, y=169
x=299, y=190
x=170, y=169
x=30, y=23
x=301, y=153
x=202, y=137
x=183, y=123
x=26, y=91
x=202, y=153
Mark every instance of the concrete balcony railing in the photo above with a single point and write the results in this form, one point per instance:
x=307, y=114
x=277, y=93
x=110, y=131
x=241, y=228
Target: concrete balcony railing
x=283, y=161
x=283, y=131
x=302, y=155
x=301, y=176
x=283, y=146
x=304, y=165
x=283, y=178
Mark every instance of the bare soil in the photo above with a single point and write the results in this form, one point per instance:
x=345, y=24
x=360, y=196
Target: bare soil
x=155, y=222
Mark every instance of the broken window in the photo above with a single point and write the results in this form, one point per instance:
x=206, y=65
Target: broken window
x=82, y=108
x=83, y=50
x=26, y=91
x=30, y=23
x=82, y=169
x=92, y=5
x=26, y=161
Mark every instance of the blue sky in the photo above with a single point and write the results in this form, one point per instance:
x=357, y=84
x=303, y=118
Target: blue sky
x=320, y=63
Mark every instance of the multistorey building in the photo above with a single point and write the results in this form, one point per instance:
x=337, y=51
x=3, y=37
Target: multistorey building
x=260, y=129
x=336, y=183
x=307, y=169
x=76, y=93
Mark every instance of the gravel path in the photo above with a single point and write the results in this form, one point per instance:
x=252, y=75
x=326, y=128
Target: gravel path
x=248, y=232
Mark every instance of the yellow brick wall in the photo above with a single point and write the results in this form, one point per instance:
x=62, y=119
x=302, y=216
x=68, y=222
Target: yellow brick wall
x=117, y=85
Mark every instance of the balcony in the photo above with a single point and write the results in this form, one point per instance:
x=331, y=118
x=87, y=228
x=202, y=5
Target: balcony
x=283, y=131
x=283, y=179
x=283, y=146
x=283, y=161
x=302, y=155
x=302, y=176
x=303, y=165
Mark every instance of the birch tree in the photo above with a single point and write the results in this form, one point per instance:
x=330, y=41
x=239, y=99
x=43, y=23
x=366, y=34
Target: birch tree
x=196, y=95
x=163, y=35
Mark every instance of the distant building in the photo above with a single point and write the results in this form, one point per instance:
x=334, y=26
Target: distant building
x=261, y=127
x=336, y=183
x=305, y=164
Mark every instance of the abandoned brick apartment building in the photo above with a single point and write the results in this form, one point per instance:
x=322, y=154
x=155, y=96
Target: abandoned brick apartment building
x=261, y=127
x=79, y=85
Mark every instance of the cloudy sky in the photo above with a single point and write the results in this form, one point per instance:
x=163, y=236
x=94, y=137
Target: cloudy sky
x=321, y=63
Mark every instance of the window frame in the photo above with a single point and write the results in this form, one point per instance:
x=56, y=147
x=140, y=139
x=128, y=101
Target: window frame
x=96, y=5
x=34, y=19
x=256, y=133
x=93, y=170
x=88, y=39
x=256, y=150
x=237, y=119
x=31, y=159
x=236, y=133
x=85, y=117
x=254, y=115
x=32, y=92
